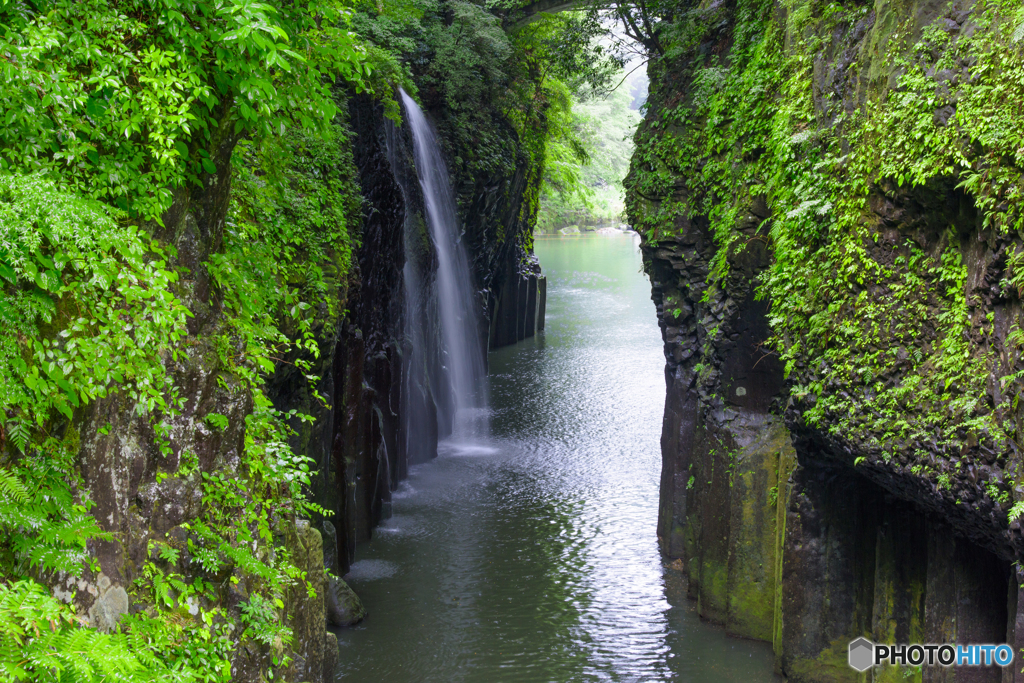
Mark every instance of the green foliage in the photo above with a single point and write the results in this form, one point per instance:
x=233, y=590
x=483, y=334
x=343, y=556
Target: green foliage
x=571, y=47
x=43, y=526
x=111, y=109
x=261, y=619
x=41, y=640
x=123, y=101
x=93, y=316
x=38, y=642
x=288, y=242
x=501, y=99
x=470, y=55
x=468, y=72
x=879, y=334
x=565, y=151
x=589, y=191
x=68, y=265
x=85, y=310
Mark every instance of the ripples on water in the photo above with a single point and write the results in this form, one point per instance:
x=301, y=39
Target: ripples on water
x=532, y=555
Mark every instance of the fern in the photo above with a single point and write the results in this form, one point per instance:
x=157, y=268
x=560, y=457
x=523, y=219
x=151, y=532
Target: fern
x=40, y=521
x=42, y=639
x=19, y=432
x=11, y=487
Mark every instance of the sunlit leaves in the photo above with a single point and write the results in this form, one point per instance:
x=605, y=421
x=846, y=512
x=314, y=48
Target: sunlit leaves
x=114, y=100
x=71, y=260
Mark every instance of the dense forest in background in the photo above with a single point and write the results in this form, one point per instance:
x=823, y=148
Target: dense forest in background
x=605, y=125
x=178, y=214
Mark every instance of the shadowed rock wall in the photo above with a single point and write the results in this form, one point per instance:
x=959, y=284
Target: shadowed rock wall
x=518, y=307
x=779, y=542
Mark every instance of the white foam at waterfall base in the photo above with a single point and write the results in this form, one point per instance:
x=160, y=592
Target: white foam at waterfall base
x=459, y=314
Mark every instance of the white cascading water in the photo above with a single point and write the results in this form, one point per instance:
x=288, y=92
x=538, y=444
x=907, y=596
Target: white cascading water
x=455, y=290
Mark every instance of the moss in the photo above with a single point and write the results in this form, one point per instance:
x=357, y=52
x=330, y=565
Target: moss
x=754, y=533
x=885, y=146
x=713, y=602
x=830, y=666
x=787, y=463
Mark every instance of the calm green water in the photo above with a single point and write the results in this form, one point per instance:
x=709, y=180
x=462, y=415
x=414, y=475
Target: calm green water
x=531, y=555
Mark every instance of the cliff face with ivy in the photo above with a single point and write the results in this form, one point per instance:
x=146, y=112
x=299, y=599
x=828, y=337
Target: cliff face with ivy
x=830, y=200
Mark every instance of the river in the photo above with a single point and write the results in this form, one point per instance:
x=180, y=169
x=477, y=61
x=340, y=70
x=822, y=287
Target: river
x=532, y=555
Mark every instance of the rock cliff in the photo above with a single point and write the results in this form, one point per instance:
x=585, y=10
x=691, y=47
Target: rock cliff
x=828, y=196
x=192, y=509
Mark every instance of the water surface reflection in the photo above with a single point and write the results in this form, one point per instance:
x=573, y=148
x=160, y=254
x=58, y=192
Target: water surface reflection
x=533, y=556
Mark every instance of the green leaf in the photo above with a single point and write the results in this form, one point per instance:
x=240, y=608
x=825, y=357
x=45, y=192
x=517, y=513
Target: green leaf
x=217, y=421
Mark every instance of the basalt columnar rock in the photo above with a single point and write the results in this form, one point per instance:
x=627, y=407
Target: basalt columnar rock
x=832, y=231
x=518, y=308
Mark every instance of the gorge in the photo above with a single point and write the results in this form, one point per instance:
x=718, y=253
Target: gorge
x=271, y=289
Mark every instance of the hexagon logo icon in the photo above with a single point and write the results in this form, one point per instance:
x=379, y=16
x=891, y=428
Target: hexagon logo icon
x=862, y=654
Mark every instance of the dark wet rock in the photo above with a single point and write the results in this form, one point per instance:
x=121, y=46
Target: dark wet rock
x=307, y=611
x=517, y=311
x=344, y=608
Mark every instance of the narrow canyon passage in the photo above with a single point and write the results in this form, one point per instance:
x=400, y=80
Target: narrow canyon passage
x=532, y=555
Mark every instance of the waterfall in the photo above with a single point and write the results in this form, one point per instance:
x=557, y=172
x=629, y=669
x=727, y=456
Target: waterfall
x=418, y=433
x=455, y=291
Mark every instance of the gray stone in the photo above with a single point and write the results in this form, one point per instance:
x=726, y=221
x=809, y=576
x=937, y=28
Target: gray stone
x=330, y=655
x=330, y=540
x=344, y=608
x=110, y=604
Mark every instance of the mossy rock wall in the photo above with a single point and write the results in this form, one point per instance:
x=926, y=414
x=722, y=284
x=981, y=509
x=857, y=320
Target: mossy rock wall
x=833, y=255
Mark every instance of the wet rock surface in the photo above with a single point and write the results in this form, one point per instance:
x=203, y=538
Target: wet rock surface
x=344, y=608
x=799, y=532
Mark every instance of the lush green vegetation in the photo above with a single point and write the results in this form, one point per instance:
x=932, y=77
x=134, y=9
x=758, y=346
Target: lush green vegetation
x=591, y=192
x=882, y=344
x=112, y=111
x=126, y=120
x=122, y=117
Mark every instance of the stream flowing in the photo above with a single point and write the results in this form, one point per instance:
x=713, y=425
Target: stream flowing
x=531, y=555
